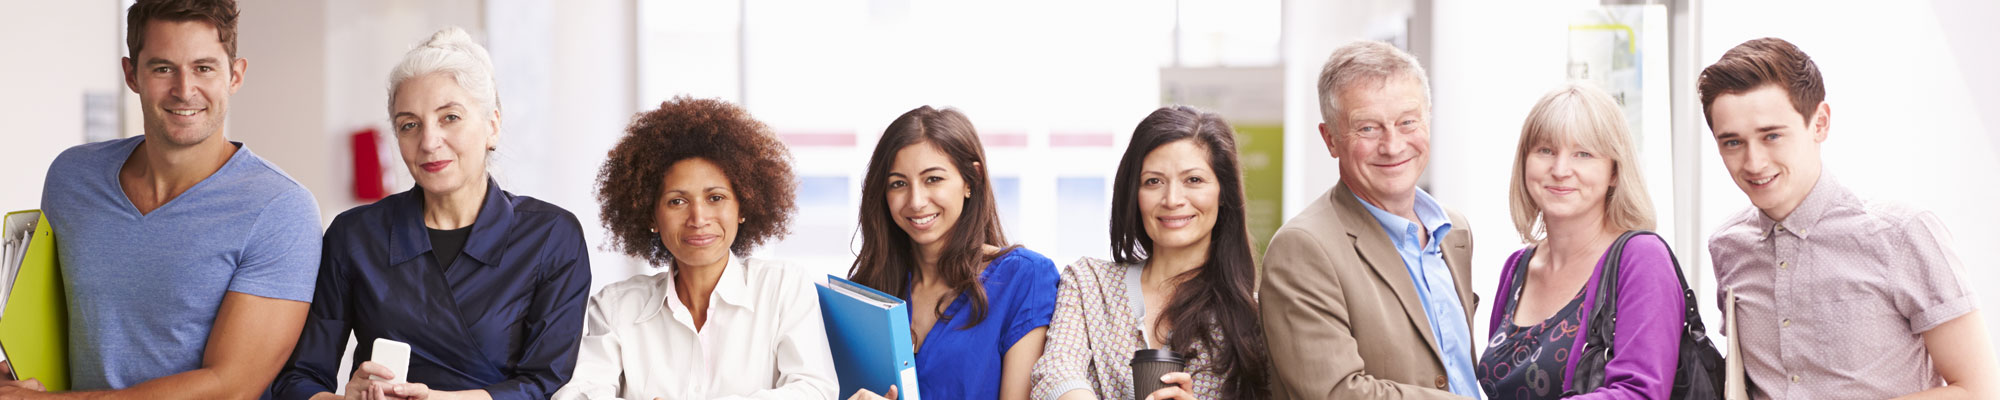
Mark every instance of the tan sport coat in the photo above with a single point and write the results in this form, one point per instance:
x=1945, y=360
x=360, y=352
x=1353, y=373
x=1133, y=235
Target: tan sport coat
x=1341, y=315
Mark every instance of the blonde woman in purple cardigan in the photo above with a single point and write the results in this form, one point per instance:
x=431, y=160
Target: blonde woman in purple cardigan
x=1575, y=190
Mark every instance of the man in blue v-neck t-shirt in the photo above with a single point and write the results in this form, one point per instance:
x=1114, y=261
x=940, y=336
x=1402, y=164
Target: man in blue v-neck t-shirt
x=188, y=261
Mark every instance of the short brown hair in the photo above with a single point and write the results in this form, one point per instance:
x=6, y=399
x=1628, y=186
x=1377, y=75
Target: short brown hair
x=1759, y=62
x=218, y=13
x=759, y=168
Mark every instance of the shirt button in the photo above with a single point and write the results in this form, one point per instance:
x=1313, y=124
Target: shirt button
x=1786, y=323
x=1783, y=265
x=1795, y=378
x=1442, y=382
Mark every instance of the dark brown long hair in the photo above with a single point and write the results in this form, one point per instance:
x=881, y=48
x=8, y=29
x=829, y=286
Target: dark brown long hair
x=1220, y=293
x=888, y=258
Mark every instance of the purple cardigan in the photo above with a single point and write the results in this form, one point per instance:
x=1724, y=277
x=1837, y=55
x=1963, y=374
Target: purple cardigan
x=1650, y=312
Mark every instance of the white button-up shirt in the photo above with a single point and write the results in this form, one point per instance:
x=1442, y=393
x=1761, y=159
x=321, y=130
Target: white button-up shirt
x=764, y=339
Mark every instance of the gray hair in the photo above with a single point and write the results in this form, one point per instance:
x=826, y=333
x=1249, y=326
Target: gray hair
x=451, y=52
x=1369, y=62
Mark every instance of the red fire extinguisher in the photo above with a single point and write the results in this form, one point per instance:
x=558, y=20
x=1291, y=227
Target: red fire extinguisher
x=368, y=176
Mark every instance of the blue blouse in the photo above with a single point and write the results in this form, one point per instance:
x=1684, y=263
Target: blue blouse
x=505, y=317
x=959, y=362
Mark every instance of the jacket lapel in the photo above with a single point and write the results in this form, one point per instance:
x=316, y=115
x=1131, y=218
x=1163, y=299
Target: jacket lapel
x=1458, y=256
x=424, y=285
x=1380, y=254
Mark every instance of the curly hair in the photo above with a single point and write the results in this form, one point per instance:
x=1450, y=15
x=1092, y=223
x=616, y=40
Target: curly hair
x=757, y=164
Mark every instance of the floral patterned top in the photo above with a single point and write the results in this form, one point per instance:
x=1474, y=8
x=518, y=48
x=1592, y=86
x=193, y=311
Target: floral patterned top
x=1527, y=362
x=1096, y=330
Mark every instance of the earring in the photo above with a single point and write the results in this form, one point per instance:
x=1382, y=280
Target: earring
x=742, y=220
x=653, y=230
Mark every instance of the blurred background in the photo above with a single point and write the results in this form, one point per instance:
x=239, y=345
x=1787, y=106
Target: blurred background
x=1055, y=88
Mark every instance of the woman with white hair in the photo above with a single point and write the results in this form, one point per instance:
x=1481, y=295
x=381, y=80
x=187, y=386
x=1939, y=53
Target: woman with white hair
x=1576, y=190
x=486, y=287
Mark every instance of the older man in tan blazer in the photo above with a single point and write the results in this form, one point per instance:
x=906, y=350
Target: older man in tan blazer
x=1367, y=293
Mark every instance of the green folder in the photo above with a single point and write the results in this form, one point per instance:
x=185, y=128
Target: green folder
x=34, y=327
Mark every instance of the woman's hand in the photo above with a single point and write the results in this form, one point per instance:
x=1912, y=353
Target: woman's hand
x=864, y=394
x=1183, y=387
x=411, y=391
x=360, y=387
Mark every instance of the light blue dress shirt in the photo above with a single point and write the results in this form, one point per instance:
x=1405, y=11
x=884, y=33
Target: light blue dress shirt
x=1434, y=286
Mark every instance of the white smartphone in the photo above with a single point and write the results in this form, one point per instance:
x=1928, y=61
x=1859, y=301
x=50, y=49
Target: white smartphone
x=392, y=354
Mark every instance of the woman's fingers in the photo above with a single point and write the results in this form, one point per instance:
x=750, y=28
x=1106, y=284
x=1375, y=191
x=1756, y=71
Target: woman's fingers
x=1182, y=379
x=370, y=368
x=865, y=394
x=1170, y=392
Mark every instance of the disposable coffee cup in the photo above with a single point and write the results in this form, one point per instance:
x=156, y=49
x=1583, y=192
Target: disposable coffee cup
x=1149, y=365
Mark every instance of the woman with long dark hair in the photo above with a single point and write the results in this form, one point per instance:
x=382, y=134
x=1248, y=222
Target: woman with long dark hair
x=930, y=234
x=1181, y=276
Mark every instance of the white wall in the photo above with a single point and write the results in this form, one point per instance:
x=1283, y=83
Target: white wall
x=279, y=112
x=1312, y=30
x=319, y=72
x=45, y=85
x=828, y=76
x=567, y=80
x=1490, y=62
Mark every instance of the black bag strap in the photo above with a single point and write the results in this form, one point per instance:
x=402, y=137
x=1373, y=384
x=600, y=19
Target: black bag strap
x=1520, y=281
x=1608, y=285
x=1604, y=313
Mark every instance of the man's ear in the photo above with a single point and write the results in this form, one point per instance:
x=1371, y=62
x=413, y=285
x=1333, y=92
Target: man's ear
x=1821, y=121
x=131, y=68
x=236, y=69
x=1326, y=135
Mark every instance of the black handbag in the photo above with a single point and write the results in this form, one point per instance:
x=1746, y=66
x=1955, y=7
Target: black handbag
x=1699, y=371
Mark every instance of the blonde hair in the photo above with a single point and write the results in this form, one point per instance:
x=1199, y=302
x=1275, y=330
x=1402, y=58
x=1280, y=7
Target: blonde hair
x=1369, y=62
x=1583, y=115
x=452, y=52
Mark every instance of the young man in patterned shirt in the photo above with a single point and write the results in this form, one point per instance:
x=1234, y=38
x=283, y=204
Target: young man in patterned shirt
x=1837, y=297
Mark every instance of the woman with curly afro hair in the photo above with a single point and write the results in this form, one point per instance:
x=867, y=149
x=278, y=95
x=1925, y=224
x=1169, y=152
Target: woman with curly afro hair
x=693, y=186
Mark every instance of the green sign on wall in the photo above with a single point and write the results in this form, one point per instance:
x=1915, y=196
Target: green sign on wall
x=1261, y=149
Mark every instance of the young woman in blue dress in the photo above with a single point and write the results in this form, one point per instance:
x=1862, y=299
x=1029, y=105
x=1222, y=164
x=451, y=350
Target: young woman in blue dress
x=930, y=234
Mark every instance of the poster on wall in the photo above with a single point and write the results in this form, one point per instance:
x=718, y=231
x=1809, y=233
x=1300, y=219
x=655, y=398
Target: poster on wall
x=1623, y=49
x=1251, y=99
